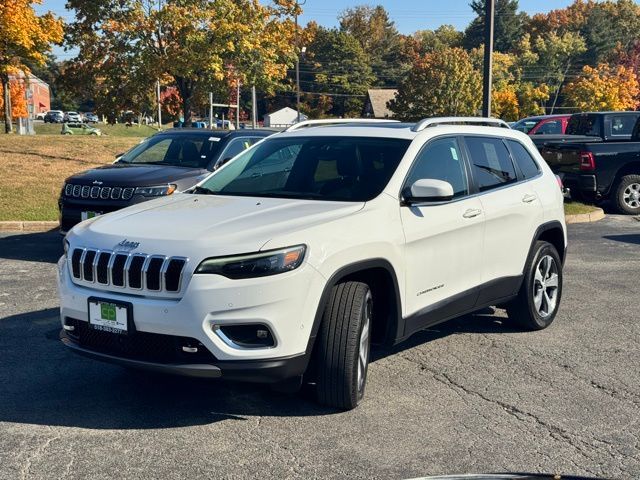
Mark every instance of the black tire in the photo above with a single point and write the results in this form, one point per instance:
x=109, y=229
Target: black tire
x=337, y=356
x=627, y=195
x=523, y=310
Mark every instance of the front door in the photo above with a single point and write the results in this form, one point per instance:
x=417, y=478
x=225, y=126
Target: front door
x=444, y=240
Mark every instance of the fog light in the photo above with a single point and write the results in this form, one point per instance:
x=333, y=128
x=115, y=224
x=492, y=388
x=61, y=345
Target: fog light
x=246, y=336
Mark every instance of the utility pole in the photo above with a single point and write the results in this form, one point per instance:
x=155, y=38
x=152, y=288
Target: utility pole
x=254, y=107
x=159, y=105
x=210, y=111
x=488, y=57
x=298, y=51
x=238, y=104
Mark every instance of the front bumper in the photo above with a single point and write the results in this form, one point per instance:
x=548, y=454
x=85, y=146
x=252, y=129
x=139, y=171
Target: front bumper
x=258, y=371
x=286, y=304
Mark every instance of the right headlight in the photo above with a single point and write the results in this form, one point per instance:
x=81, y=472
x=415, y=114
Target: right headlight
x=252, y=265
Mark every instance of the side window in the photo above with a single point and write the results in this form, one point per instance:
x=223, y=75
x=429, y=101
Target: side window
x=523, y=158
x=550, y=127
x=236, y=146
x=441, y=160
x=622, y=124
x=491, y=162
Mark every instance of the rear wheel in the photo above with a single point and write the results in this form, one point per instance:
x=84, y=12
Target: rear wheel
x=342, y=357
x=627, y=195
x=537, y=303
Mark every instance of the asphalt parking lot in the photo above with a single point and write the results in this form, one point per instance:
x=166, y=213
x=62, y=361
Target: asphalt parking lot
x=471, y=395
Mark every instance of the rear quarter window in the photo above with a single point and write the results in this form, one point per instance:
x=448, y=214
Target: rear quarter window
x=521, y=156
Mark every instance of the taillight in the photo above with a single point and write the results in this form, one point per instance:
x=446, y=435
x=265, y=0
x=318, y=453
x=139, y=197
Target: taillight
x=560, y=184
x=587, y=161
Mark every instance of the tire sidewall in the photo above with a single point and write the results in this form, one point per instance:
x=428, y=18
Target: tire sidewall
x=542, y=249
x=360, y=391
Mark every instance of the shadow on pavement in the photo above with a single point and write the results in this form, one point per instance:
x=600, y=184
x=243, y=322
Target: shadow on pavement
x=42, y=383
x=633, y=238
x=32, y=247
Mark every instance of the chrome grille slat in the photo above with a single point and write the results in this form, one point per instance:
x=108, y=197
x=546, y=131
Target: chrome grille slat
x=148, y=270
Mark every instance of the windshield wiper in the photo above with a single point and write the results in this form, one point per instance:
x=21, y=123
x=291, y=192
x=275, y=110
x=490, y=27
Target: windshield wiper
x=203, y=191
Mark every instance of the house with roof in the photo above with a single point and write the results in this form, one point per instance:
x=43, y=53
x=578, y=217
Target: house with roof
x=377, y=102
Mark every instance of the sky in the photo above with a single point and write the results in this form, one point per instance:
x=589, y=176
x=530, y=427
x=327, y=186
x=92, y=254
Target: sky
x=408, y=15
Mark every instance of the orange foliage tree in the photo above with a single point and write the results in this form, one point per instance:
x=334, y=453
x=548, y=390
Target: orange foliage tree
x=604, y=88
x=24, y=37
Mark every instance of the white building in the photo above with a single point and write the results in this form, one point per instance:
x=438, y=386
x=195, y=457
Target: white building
x=284, y=117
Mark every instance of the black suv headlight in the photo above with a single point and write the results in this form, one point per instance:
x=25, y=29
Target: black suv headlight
x=254, y=265
x=158, y=191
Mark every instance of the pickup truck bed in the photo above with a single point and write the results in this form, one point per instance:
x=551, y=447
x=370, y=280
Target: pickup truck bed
x=599, y=168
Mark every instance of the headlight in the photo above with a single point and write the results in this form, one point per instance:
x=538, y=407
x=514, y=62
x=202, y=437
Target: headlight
x=66, y=246
x=253, y=265
x=159, y=191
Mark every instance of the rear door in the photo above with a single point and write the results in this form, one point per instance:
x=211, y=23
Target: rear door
x=443, y=250
x=512, y=212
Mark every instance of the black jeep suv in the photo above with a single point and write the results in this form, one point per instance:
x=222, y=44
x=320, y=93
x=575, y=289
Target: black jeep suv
x=160, y=165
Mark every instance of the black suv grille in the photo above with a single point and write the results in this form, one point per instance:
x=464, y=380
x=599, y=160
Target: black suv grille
x=136, y=270
x=104, y=193
x=149, y=347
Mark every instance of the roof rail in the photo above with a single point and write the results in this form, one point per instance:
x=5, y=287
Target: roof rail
x=432, y=122
x=335, y=121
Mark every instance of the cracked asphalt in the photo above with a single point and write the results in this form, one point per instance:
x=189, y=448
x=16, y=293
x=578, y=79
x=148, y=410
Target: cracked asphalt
x=471, y=395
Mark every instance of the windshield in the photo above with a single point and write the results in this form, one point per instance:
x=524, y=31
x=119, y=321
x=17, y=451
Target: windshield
x=525, y=125
x=191, y=151
x=319, y=168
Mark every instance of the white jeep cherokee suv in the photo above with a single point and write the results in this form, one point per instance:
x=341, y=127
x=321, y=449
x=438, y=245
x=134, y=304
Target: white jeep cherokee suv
x=291, y=260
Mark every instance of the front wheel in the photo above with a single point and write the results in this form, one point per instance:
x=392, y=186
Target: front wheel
x=344, y=344
x=537, y=303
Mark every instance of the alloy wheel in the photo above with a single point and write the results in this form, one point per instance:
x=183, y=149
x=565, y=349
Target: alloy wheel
x=545, y=286
x=631, y=195
x=363, y=351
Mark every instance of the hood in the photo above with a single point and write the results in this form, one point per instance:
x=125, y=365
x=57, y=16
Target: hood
x=127, y=175
x=215, y=225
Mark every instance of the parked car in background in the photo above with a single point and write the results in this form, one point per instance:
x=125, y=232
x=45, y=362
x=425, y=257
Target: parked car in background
x=72, y=117
x=542, y=125
x=601, y=160
x=168, y=162
x=40, y=116
x=90, y=117
x=79, y=129
x=54, y=116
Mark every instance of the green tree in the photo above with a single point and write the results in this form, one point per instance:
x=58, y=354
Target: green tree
x=379, y=39
x=439, y=84
x=429, y=41
x=198, y=45
x=338, y=66
x=508, y=25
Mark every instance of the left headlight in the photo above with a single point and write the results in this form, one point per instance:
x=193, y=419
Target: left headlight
x=158, y=191
x=253, y=265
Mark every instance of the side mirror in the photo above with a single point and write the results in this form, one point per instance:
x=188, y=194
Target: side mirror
x=428, y=190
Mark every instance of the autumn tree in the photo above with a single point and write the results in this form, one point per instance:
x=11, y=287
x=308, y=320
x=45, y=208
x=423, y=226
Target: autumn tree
x=508, y=27
x=24, y=37
x=604, y=88
x=200, y=45
x=439, y=84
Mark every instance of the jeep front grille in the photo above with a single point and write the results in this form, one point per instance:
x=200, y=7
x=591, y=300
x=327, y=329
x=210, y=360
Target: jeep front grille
x=94, y=192
x=135, y=271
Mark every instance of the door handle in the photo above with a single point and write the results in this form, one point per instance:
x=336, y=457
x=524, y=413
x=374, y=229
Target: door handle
x=472, y=212
x=528, y=198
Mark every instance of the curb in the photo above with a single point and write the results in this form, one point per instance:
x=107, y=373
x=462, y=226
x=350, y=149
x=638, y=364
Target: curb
x=18, y=226
x=594, y=216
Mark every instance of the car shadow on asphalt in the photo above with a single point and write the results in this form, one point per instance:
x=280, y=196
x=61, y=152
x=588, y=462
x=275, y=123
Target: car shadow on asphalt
x=43, y=247
x=43, y=383
x=633, y=238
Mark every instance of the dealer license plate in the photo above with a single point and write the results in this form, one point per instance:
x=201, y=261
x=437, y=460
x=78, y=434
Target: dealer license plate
x=108, y=317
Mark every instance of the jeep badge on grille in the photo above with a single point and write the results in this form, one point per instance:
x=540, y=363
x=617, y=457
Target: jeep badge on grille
x=128, y=245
